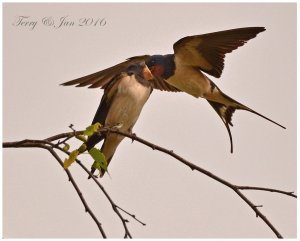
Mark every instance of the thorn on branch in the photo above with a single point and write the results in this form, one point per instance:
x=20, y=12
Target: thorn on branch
x=57, y=144
x=133, y=137
x=258, y=206
x=47, y=144
x=94, y=175
x=71, y=127
x=256, y=212
x=131, y=215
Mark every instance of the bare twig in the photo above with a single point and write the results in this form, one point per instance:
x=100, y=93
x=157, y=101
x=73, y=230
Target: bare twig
x=87, y=209
x=43, y=145
x=63, y=135
x=114, y=206
x=49, y=146
x=236, y=188
x=131, y=215
x=267, y=189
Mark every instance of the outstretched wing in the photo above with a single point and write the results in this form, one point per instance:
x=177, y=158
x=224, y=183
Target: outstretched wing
x=207, y=51
x=102, y=78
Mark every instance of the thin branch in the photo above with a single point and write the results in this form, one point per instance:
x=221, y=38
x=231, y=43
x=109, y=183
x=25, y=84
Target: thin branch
x=114, y=206
x=134, y=137
x=267, y=189
x=237, y=189
x=42, y=144
x=87, y=208
x=69, y=137
x=131, y=215
x=63, y=135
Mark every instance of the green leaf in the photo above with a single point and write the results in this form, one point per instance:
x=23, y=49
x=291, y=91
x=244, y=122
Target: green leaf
x=81, y=138
x=68, y=161
x=100, y=160
x=66, y=147
x=82, y=148
x=90, y=130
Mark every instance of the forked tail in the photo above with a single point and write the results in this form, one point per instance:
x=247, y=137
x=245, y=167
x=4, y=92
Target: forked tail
x=225, y=112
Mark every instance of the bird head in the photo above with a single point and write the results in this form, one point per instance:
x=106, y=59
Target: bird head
x=161, y=65
x=140, y=70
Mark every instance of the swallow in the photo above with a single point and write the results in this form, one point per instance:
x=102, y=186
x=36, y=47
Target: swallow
x=185, y=70
x=121, y=104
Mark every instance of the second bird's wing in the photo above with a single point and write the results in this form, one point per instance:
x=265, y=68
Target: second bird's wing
x=102, y=78
x=207, y=51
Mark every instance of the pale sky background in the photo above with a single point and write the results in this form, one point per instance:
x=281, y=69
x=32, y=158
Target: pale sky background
x=39, y=202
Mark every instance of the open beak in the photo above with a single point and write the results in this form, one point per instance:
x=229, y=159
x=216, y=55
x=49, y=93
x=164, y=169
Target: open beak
x=147, y=73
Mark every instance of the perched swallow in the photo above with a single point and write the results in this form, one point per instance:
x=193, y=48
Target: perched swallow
x=183, y=70
x=121, y=104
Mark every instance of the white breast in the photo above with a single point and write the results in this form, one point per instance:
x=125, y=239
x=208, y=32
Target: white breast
x=128, y=103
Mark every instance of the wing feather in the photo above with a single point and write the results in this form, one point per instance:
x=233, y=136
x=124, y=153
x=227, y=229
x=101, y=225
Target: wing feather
x=102, y=78
x=207, y=51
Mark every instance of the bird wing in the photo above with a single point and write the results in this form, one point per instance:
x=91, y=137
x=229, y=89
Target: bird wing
x=107, y=99
x=103, y=109
x=102, y=78
x=207, y=51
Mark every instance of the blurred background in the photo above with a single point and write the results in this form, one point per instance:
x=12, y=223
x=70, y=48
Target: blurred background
x=174, y=202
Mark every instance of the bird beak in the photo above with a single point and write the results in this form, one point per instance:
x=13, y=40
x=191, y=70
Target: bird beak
x=147, y=73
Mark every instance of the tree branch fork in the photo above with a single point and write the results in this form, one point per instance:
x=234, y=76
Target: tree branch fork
x=49, y=145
